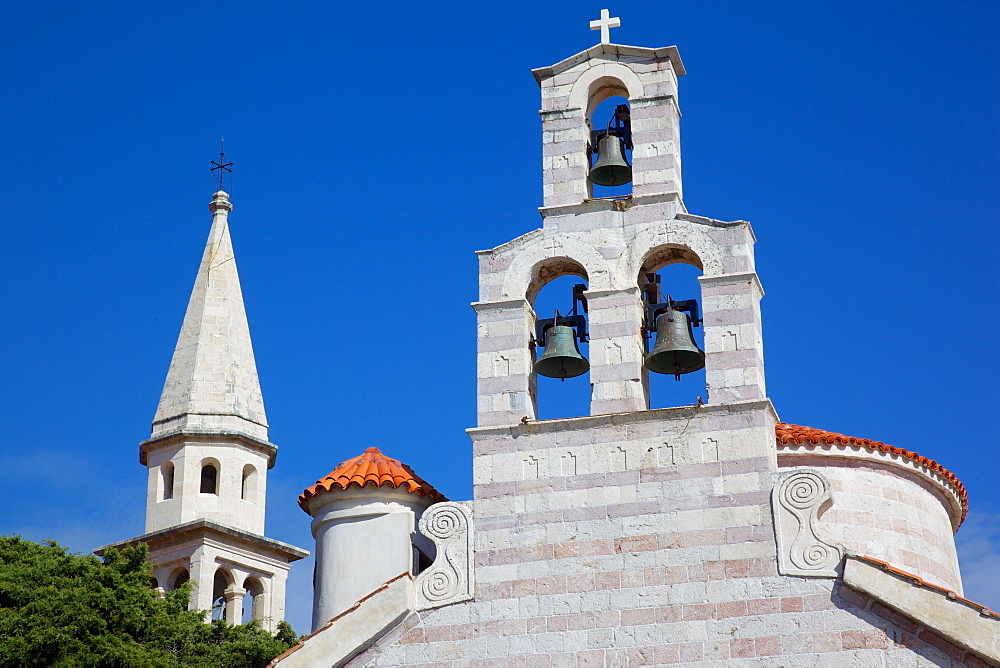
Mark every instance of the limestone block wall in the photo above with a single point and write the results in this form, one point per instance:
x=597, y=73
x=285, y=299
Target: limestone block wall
x=188, y=503
x=881, y=511
x=640, y=539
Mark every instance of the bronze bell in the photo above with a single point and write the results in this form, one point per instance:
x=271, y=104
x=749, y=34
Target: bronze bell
x=612, y=169
x=562, y=358
x=675, y=350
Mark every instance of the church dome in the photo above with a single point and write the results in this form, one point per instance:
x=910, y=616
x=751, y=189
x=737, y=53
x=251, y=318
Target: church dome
x=372, y=468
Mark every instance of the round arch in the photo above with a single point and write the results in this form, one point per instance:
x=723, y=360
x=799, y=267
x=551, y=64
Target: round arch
x=535, y=265
x=684, y=243
x=601, y=82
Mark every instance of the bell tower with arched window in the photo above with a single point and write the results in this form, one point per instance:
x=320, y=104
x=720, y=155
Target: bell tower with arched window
x=611, y=117
x=208, y=454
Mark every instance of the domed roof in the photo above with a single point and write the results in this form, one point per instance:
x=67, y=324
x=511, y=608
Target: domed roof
x=793, y=433
x=375, y=469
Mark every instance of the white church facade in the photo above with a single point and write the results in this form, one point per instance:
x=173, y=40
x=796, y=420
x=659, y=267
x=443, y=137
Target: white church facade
x=707, y=534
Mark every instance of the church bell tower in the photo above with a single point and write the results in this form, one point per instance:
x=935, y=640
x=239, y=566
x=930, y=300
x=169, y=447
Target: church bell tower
x=208, y=455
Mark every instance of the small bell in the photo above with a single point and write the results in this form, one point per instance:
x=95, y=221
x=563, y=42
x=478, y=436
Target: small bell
x=562, y=358
x=612, y=169
x=675, y=350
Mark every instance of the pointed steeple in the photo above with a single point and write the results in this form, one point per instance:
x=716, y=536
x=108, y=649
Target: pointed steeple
x=212, y=384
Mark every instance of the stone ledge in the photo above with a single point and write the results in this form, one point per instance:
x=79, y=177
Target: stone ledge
x=959, y=620
x=202, y=527
x=353, y=630
x=610, y=419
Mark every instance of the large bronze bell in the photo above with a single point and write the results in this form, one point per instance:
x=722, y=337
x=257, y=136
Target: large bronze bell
x=562, y=358
x=675, y=350
x=612, y=169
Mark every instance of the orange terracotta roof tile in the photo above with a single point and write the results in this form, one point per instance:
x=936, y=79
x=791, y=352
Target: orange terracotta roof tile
x=375, y=469
x=793, y=433
x=920, y=582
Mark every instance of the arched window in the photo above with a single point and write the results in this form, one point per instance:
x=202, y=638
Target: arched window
x=219, y=585
x=610, y=141
x=249, y=483
x=209, y=478
x=561, y=397
x=252, y=600
x=167, y=480
x=676, y=271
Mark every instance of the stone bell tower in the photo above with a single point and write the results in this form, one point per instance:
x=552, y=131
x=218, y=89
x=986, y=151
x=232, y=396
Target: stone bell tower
x=208, y=454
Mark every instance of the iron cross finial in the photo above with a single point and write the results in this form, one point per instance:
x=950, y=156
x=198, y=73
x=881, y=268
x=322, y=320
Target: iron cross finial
x=222, y=166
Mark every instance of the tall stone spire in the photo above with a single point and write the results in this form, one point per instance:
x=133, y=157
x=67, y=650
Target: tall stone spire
x=212, y=384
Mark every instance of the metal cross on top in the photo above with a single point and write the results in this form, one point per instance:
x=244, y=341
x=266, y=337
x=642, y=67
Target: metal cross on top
x=604, y=25
x=222, y=166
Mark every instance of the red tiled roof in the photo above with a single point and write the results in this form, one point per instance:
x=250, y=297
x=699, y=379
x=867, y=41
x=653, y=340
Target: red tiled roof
x=375, y=469
x=920, y=582
x=793, y=433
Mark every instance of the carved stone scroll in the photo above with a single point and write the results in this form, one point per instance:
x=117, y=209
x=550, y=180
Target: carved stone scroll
x=796, y=502
x=450, y=578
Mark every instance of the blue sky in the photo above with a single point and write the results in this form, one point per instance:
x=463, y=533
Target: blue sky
x=377, y=146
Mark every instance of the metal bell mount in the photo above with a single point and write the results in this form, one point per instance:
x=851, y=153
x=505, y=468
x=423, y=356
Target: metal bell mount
x=558, y=335
x=675, y=351
x=612, y=168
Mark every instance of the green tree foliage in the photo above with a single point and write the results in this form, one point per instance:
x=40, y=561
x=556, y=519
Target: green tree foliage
x=63, y=609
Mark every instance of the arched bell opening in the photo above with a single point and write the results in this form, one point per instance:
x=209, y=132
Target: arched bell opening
x=609, y=145
x=674, y=335
x=220, y=583
x=559, y=343
x=253, y=600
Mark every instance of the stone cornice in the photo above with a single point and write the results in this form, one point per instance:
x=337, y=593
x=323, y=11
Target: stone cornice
x=202, y=528
x=269, y=449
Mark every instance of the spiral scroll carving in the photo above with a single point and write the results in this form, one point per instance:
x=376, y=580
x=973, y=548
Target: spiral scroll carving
x=450, y=578
x=439, y=585
x=442, y=522
x=796, y=501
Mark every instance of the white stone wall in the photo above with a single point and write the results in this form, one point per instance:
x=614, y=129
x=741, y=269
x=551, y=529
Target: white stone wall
x=188, y=502
x=641, y=539
x=364, y=538
x=887, y=513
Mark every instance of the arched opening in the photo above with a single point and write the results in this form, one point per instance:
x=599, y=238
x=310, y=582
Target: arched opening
x=610, y=140
x=249, y=490
x=676, y=270
x=553, y=294
x=209, y=477
x=179, y=578
x=153, y=583
x=220, y=583
x=167, y=480
x=252, y=600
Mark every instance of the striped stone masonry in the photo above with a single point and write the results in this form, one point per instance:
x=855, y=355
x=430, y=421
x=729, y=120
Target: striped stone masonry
x=612, y=245
x=571, y=92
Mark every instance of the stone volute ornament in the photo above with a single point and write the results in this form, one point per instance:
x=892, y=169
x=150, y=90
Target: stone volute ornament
x=450, y=578
x=795, y=503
